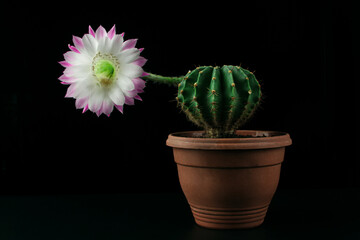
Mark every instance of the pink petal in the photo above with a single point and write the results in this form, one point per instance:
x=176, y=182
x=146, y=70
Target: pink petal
x=81, y=103
x=140, y=61
x=78, y=42
x=66, y=79
x=131, y=93
x=91, y=31
x=69, y=56
x=70, y=91
x=111, y=33
x=139, y=84
x=94, y=104
x=85, y=108
x=69, y=71
x=100, y=32
x=129, y=44
x=123, y=34
x=141, y=49
x=72, y=48
x=65, y=64
x=144, y=74
x=120, y=108
x=129, y=100
x=137, y=97
x=106, y=107
x=140, y=90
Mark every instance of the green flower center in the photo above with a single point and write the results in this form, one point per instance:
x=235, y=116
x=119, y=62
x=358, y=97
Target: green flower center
x=105, y=68
x=105, y=72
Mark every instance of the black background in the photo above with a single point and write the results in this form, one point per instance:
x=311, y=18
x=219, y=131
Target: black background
x=304, y=55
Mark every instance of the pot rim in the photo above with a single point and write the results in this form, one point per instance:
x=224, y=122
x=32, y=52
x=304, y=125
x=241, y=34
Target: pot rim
x=260, y=140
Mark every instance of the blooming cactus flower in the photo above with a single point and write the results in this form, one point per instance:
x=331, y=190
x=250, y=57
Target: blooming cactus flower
x=103, y=71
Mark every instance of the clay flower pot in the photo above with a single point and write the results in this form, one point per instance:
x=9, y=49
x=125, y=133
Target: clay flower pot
x=229, y=182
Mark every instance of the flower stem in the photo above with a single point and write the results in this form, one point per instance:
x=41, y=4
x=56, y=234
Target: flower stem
x=174, y=81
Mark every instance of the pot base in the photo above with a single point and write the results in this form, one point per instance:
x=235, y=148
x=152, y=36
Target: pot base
x=229, y=218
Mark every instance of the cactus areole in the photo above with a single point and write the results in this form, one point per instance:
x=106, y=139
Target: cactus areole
x=217, y=99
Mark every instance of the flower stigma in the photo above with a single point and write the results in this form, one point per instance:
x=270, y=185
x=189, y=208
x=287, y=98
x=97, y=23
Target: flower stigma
x=105, y=68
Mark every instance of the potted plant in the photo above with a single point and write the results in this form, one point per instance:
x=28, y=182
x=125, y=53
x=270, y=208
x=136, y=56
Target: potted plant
x=228, y=176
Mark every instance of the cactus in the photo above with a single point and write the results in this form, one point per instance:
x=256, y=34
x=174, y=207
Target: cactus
x=218, y=99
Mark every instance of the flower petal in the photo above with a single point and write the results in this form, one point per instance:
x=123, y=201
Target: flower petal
x=70, y=57
x=104, y=45
x=78, y=43
x=64, y=64
x=137, y=97
x=111, y=33
x=144, y=74
x=70, y=91
x=86, y=87
x=78, y=71
x=90, y=44
x=128, y=55
x=140, y=61
x=131, y=94
x=129, y=44
x=95, y=101
x=116, y=44
x=72, y=48
x=77, y=59
x=129, y=100
x=100, y=33
x=125, y=83
x=117, y=96
x=106, y=107
x=81, y=103
x=66, y=79
x=131, y=70
x=91, y=31
x=139, y=84
x=120, y=108
x=85, y=108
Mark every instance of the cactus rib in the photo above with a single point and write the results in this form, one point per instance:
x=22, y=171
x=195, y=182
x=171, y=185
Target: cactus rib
x=219, y=99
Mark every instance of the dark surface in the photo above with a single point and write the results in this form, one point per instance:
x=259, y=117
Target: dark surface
x=293, y=214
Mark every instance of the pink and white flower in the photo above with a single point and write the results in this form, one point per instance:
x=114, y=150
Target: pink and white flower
x=103, y=71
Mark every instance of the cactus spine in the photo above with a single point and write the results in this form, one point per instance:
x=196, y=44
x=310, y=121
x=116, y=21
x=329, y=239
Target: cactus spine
x=219, y=99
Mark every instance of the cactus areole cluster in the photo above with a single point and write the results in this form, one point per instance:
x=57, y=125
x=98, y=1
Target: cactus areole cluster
x=217, y=99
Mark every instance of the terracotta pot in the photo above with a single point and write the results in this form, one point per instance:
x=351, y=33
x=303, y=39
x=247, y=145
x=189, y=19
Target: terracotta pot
x=229, y=182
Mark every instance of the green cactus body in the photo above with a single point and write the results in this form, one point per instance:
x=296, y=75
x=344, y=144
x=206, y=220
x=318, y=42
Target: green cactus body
x=219, y=99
